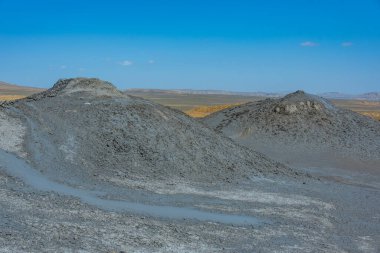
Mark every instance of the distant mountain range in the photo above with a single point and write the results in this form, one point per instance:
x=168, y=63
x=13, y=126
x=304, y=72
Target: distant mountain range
x=374, y=96
x=207, y=92
x=365, y=96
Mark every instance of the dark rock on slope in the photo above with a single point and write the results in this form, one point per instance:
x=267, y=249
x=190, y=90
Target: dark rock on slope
x=302, y=129
x=85, y=130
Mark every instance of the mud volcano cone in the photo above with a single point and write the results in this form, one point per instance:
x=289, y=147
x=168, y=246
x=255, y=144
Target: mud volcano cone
x=301, y=127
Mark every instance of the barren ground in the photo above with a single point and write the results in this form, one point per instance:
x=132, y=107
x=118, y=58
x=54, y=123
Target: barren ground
x=52, y=199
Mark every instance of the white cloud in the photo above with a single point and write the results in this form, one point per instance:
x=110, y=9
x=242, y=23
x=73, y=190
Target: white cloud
x=347, y=44
x=126, y=63
x=309, y=44
x=151, y=61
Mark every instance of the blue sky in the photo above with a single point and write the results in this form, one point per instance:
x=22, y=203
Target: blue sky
x=257, y=45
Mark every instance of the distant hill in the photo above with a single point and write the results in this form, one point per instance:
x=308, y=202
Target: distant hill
x=373, y=96
x=11, y=91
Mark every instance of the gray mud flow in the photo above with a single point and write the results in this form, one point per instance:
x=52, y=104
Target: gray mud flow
x=20, y=169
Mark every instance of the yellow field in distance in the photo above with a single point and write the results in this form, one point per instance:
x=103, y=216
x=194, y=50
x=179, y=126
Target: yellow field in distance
x=10, y=97
x=375, y=115
x=203, y=111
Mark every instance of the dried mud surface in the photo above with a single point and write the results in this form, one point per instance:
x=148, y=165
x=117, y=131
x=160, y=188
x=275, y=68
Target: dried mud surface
x=83, y=136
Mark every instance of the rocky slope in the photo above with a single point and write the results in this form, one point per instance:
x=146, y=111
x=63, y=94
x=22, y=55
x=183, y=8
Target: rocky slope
x=301, y=127
x=85, y=130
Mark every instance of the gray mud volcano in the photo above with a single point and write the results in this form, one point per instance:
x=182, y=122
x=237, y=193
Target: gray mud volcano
x=86, y=131
x=85, y=168
x=303, y=130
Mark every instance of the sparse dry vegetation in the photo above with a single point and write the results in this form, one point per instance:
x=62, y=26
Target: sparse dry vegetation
x=13, y=92
x=368, y=108
x=203, y=111
x=10, y=97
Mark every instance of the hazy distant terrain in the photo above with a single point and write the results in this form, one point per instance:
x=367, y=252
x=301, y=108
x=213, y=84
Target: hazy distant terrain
x=187, y=101
x=372, y=96
x=369, y=108
x=203, y=103
x=10, y=91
